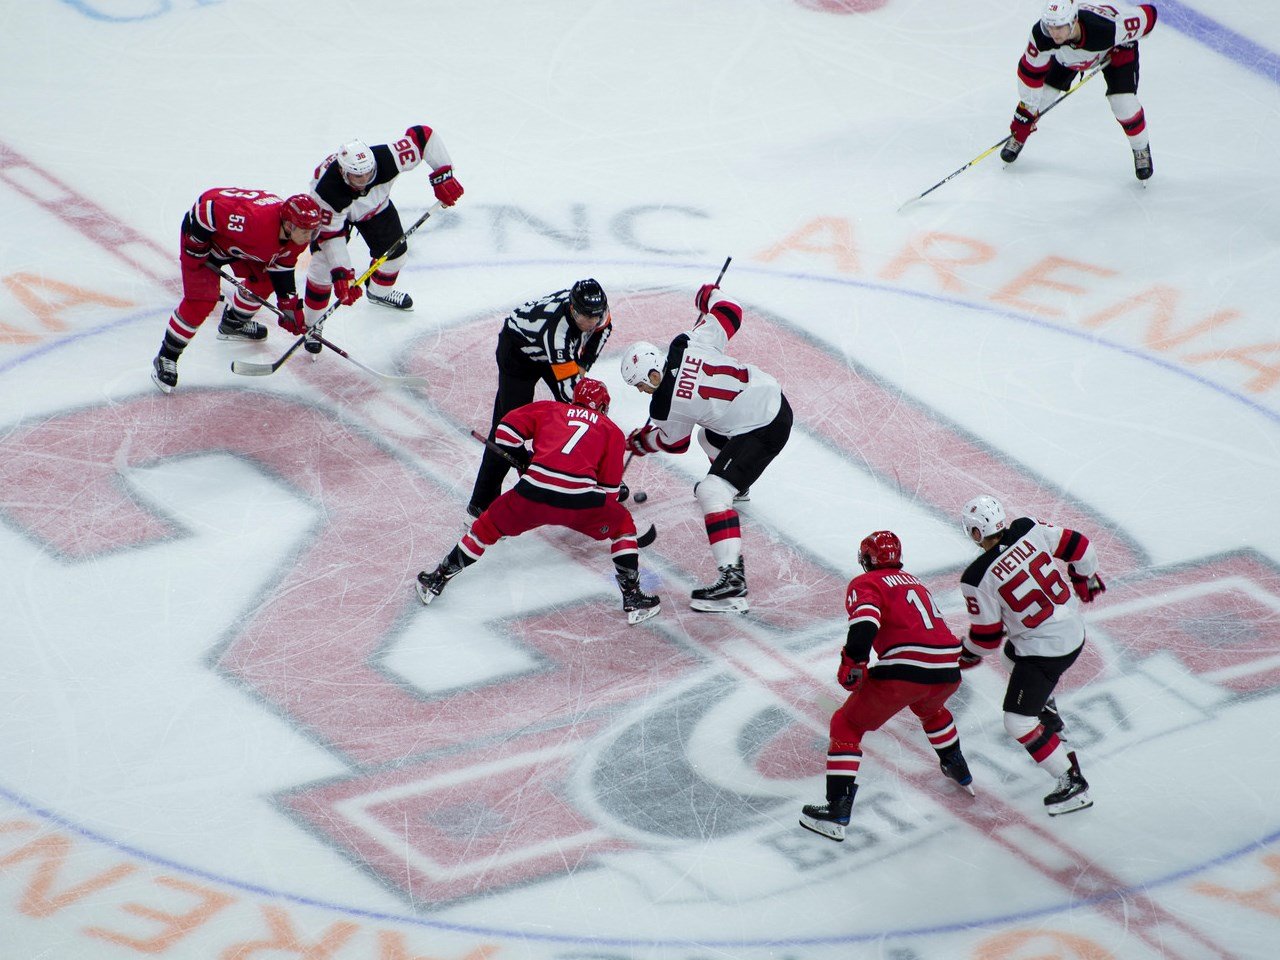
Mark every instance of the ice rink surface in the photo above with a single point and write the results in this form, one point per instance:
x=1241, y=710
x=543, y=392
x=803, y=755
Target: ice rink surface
x=231, y=731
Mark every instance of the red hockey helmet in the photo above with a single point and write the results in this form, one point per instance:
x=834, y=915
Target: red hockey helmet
x=591, y=394
x=880, y=549
x=301, y=211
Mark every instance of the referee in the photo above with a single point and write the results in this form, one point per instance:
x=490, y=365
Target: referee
x=555, y=339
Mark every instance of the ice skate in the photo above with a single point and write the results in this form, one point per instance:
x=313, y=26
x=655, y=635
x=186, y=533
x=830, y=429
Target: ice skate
x=231, y=327
x=312, y=345
x=395, y=299
x=431, y=584
x=1142, y=165
x=1071, y=794
x=726, y=595
x=829, y=819
x=165, y=373
x=636, y=604
x=1012, y=147
x=954, y=766
x=743, y=495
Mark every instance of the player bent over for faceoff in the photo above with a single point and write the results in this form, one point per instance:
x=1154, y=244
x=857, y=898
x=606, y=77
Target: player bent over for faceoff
x=573, y=479
x=353, y=188
x=1016, y=589
x=745, y=421
x=1070, y=39
x=259, y=236
x=892, y=613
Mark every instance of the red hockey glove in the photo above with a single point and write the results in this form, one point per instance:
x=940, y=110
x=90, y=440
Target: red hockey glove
x=638, y=441
x=702, y=299
x=851, y=671
x=1086, y=587
x=195, y=248
x=344, y=286
x=294, y=320
x=969, y=660
x=448, y=190
x=1024, y=121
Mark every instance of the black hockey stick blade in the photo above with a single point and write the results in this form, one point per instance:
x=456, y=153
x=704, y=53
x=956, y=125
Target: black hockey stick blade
x=646, y=538
x=247, y=368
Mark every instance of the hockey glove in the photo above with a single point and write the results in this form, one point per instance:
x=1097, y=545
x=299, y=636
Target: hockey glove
x=969, y=660
x=344, y=287
x=623, y=492
x=1024, y=121
x=195, y=248
x=1086, y=588
x=448, y=190
x=294, y=320
x=638, y=441
x=702, y=299
x=851, y=671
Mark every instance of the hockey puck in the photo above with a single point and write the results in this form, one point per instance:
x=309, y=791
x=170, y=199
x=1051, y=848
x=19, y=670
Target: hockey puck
x=639, y=496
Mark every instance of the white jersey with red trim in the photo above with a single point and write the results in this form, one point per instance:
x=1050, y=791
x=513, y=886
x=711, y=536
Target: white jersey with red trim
x=1018, y=589
x=1103, y=28
x=704, y=386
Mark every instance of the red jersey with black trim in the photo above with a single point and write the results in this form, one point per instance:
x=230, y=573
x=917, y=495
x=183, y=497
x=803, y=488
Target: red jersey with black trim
x=912, y=640
x=235, y=224
x=577, y=453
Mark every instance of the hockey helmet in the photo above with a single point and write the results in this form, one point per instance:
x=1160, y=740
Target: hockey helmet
x=301, y=212
x=591, y=394
x=1060, y=13
x=587, y=297
x=638, y=361
x=357, y=163
x=983, y=515
x=880, y=549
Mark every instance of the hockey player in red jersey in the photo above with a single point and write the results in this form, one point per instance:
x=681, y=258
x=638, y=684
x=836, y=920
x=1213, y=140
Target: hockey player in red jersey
x=893, y=614
x=1015, y=589
x=745, y=421
x=260, y=237
x=353, y=188
x=573, y=479
x=1070, y=38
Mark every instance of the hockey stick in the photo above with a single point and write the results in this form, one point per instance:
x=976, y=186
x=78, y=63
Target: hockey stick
x=248, y=368
x=999, y=143
x=642, y=540
x=264, y=369
x=702, y=313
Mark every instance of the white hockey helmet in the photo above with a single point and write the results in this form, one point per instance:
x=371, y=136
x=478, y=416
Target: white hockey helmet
x=1060, y=13
x=985, y=514
x=357, y=163
x=638, y=361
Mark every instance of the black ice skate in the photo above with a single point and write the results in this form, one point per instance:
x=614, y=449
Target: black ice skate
x=726, y=595
x=743, y=495
x=431, y=584
x=636, y=604
x=1142, y=165
x=232, y=327
x=1072, y=792
x=954, y=766
x=829, y=819
x=395, y=299
x=165, y=373
x=312, y=345
x=1012, y=147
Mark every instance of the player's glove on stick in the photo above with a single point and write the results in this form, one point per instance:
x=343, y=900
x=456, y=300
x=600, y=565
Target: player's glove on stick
x=1086, y=588
x=851, y=671
x=293, y=319
x=1024, y=121
x=448, y=189
x=702, y=299
x=641, y=441
x=344, y=287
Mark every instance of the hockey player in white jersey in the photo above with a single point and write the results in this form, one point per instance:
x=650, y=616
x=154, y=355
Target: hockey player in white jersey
x=745, y=421
x=1016, y=590
x=1070, y=38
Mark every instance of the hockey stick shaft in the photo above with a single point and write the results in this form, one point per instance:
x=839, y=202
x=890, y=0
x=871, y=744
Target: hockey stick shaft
x=649, y=420
x=999, y=143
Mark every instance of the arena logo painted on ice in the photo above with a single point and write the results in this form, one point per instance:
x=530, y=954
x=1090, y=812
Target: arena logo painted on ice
x=427, y=804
